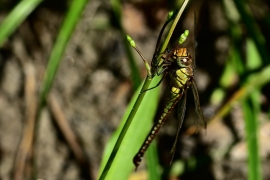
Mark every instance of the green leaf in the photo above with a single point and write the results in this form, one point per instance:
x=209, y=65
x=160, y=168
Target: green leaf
x=122, y=165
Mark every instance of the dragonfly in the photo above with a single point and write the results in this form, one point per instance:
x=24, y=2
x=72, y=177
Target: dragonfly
x=178, y=65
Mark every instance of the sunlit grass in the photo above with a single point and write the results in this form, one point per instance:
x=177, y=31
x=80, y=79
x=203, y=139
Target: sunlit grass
x=16, y=17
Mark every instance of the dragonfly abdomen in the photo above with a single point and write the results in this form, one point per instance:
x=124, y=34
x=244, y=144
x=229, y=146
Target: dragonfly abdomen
x=172, y=97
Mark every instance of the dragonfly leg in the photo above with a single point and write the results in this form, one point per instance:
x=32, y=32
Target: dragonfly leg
x=159, y=36
x=155, y=85
x=162, y=71
x=157, y=60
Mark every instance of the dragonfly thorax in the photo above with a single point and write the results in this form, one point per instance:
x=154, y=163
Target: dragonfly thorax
x=181, y=77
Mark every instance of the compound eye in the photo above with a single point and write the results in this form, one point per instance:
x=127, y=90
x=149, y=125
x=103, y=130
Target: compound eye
x=183, y=62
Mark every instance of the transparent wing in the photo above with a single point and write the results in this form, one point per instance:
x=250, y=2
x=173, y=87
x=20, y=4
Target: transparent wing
x=181, y=115
x=201, y=120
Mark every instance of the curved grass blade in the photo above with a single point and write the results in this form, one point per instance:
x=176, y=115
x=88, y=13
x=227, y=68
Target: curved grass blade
x=16, y=17
x=72, y=17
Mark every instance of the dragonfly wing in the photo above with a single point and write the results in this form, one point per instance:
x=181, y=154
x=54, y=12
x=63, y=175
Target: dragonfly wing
x=180, y=114
x=197, y=105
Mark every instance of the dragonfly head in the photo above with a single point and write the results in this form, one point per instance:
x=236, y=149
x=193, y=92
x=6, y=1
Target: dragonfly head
x=183, y=58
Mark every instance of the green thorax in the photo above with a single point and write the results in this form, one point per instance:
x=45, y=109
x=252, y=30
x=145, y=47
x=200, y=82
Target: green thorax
x=181, y=78
x=181, y=75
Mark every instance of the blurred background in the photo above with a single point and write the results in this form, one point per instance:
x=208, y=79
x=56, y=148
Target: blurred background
x=67, y=76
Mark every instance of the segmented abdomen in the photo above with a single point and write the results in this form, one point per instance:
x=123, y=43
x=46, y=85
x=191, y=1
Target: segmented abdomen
x=172, y=97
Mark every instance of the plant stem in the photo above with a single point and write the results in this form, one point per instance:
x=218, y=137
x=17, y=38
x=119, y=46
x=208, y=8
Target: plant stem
x=125, y=128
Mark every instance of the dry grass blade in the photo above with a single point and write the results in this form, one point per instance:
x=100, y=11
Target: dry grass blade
x=69, y=135
x=30, y=113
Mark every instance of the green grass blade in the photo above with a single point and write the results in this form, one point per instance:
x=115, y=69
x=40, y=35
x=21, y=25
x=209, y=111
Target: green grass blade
x=253, y=29
x=122, y=165
x=72, y=17
x=253, y=57
x=15, y=18
x=251, y=111
x=152, y=161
